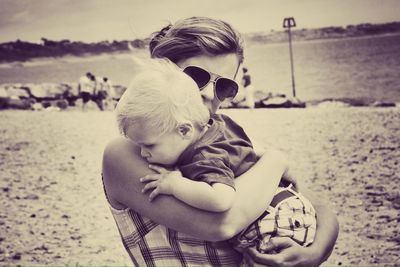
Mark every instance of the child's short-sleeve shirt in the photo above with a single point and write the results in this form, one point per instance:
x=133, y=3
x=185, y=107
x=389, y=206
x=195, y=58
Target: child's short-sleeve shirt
x=221, y=154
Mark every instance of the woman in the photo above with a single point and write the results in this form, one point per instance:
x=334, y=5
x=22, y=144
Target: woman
x=168, y=232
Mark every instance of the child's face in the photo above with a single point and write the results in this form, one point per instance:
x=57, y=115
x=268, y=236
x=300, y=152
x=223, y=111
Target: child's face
x=164, y=149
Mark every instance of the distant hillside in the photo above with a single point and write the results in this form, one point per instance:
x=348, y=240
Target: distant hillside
x=22, y=51
x=325, y=33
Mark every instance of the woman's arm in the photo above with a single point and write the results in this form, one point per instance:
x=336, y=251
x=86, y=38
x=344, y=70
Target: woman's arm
x=327, y=229
x=123, y=167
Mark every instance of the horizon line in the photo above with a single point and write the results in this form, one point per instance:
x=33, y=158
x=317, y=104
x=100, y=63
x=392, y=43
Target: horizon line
x=243, y=33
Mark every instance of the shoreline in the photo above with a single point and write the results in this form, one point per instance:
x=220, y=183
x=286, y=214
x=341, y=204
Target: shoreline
x=38, y=96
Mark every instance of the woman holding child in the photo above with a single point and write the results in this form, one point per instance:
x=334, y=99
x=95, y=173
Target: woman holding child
x=168, y=232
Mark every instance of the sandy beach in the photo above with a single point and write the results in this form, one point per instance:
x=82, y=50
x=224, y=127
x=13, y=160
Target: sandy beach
x=53, y=210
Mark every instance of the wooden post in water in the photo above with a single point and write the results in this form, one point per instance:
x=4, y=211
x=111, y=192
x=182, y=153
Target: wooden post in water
x=289, y=23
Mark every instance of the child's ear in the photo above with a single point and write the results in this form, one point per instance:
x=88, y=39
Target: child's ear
x=186, y=129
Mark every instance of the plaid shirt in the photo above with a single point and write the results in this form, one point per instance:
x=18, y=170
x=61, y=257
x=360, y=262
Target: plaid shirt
x=151, y=244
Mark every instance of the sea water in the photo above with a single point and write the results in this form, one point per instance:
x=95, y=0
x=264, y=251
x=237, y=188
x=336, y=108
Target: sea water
x=353, y=68
x=367, y=67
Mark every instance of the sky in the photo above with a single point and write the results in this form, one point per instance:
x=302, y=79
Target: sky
x=99, y=20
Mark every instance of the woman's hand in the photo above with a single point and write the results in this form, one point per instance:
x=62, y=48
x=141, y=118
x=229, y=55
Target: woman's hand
x=290, y=254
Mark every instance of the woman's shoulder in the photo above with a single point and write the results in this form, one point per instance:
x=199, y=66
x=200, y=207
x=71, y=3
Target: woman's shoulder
x=114, y=146
x=113, y=153
x=121, y=168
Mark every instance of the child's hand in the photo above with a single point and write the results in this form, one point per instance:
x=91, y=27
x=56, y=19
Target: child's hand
x=162, y=182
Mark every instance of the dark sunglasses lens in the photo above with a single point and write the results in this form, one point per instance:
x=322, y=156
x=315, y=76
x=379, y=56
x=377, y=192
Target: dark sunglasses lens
x=226, y=88
x=200, y=76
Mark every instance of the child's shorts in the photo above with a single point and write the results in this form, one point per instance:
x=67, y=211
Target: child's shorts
x=289, y=215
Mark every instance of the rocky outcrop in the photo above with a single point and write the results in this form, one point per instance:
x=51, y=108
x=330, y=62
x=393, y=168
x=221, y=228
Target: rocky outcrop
x=64, y=95
x=60, y=96
x=268, y=100
x=43, y=95
x=281, y=101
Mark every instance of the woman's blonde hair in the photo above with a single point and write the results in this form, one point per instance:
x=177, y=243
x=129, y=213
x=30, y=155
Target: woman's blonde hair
x=160, y=97
x=196, y=36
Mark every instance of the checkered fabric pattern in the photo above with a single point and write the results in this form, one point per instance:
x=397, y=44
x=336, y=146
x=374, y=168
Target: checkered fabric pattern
x=294, y=217
x=151, y=244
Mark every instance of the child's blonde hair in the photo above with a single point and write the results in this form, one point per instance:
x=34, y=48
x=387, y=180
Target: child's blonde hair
x=160, y=97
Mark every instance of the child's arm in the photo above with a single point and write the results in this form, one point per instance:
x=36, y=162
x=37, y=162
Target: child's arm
x=217, y=197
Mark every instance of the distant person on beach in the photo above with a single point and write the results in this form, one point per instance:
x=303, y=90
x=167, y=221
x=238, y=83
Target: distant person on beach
x=167, y=231
x=248, y=88
x=86, y=88
x=103, y=95
x=197, y=157
x=107, y=86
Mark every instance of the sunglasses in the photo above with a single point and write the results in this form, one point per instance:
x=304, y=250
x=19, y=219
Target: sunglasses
x=223, y=87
